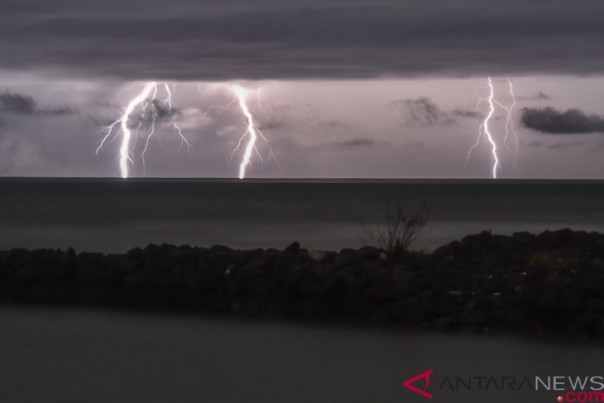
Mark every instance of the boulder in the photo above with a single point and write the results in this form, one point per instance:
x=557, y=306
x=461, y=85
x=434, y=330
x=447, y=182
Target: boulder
x=345, y=257
x=293, y=248
x=317, y=255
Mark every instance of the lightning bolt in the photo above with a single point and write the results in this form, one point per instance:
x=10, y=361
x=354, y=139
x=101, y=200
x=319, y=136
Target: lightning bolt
x=147, y=96
x=509, y=122
x=251, y=131
x=152, y=130
x=183, y=139
x=484, y=130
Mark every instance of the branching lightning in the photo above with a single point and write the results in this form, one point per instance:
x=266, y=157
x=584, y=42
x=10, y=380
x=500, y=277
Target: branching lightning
x=485, y=130
x=183, y=139
x=147, y=97
x=509, y=122
x=251, y=131
x=249, y=139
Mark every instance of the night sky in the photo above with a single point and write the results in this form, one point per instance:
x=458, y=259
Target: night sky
x=381, y=89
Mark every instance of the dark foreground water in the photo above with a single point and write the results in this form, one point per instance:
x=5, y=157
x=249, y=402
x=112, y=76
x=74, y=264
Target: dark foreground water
x=95, y=356
x=115, y=215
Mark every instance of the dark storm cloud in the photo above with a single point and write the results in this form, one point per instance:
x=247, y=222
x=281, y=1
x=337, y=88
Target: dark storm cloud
x=553, y=121
x=23, y=104
x=17, y=103
x=230, y=39
x=422, y=112
x=467, y=113
x=155, y=113
x=163, y=112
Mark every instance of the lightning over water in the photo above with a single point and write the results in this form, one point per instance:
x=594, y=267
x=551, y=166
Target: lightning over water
x=251, y=132
x=154, y=104
x=146, y=98
x=509, y=122
x=486, y=130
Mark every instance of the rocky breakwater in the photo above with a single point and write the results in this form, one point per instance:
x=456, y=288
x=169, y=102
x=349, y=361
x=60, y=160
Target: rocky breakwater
x=548, y=283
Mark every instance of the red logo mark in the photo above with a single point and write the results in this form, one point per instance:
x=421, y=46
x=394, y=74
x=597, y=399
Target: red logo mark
x=422, y=392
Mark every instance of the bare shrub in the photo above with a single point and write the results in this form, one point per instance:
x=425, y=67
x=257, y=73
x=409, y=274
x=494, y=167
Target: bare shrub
x=400, y=228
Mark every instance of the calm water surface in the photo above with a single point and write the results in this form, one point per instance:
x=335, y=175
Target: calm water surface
x=116, y=215
x=95, y=356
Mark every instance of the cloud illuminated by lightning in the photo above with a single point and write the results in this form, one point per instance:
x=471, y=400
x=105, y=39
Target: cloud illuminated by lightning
x=143, y=99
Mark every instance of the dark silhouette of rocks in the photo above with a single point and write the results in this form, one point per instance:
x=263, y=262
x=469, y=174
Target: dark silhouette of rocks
x=548, y=283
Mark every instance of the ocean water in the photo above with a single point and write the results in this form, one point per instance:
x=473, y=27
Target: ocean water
x=113, y=215
x=71, y=356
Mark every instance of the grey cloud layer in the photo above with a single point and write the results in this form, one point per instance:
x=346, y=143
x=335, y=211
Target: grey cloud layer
x=311, y=135
x=539, y=96
x=553, y=121
x=23, y=104
x=17, y=103
x=358, y=142
x=266, y=39
x=422, y=112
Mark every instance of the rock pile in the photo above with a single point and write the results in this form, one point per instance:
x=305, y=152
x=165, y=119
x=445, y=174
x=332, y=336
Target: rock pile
x=552, y=282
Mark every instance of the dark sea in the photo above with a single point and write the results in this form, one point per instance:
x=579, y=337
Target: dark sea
x=81, y=356
x=114, y=215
